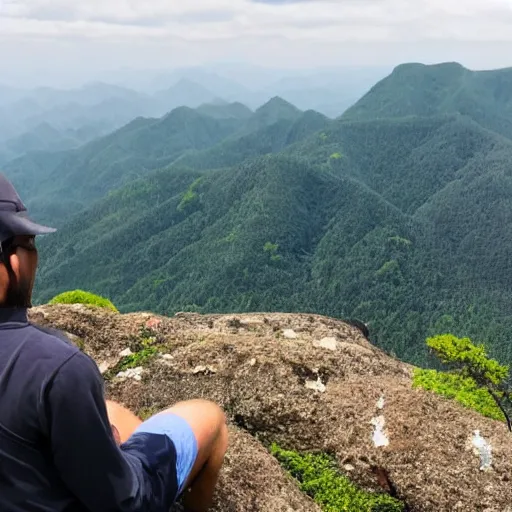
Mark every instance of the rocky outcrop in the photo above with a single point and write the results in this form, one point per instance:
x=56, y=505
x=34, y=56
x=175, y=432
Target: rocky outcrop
x=308, y=383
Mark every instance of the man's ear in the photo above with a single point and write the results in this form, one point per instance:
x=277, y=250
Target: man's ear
x=15, y=264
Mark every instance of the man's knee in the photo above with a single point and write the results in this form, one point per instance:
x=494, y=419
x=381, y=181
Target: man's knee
x=199, y=410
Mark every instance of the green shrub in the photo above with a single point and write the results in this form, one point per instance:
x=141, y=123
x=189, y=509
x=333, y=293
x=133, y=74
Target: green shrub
x=319, y=477
x=81, y=297
x=138, y=359
x=272, y=249
x=463, y=389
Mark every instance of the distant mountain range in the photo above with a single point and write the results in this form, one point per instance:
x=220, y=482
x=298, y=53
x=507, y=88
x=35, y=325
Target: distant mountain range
x=73, y=117
x=87, y=113
x=397, y=213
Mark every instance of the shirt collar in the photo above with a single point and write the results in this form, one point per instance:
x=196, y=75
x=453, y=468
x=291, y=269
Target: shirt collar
x=10, y=315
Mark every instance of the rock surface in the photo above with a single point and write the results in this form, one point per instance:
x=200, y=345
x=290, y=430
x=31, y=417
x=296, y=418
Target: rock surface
x=259, y=379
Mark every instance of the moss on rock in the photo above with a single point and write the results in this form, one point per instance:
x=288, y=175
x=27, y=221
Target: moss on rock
x=319, y=477
x=82, y=297
x=462, y=389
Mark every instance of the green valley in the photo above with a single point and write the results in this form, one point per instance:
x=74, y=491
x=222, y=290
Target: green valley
x=396, y=213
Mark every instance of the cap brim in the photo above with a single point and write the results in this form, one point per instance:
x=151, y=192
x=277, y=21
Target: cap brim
x=20, y=224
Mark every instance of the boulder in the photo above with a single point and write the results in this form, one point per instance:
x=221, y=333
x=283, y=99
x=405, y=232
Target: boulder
x=260, y=379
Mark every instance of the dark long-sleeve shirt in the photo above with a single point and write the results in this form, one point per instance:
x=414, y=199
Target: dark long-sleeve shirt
x=57, y=450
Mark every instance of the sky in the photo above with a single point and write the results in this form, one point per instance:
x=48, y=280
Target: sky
x=66, y=41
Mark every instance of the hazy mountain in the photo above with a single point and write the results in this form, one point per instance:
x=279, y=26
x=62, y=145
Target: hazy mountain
x=90, y=94
x=99, y=108
x=88, y=113
x=185, y=92
x=43, y=137
x=218, y=85
x=10, y=95
x=225, y=110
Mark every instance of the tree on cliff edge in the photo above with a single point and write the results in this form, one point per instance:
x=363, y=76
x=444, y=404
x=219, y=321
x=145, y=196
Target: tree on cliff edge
x=470, y=360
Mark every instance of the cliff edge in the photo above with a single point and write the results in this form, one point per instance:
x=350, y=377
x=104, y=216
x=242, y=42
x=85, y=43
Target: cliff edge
x=307, y=383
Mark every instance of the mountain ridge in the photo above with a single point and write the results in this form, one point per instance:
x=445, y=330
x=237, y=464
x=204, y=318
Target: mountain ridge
x=387, y=216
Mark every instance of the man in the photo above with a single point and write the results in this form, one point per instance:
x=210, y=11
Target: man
x=63, y=448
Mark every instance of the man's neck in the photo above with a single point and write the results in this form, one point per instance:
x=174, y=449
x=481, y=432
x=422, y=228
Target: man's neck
x=13, y=315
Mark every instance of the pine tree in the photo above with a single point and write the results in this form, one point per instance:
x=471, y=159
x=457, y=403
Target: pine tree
x=470, y=360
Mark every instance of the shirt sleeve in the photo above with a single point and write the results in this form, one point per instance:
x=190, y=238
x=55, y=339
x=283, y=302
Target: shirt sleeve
x=140, y=475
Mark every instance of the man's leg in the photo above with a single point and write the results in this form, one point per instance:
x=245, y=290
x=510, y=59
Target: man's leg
x=208, y=423
x=123, y=420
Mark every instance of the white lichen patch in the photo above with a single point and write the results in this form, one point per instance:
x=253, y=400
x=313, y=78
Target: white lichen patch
x=483, y=449
x=327, y=343
x=379, y=436
x=131, y=373
x=316, y=385
x=290, y=334
x=206, y=370
x=103, y=367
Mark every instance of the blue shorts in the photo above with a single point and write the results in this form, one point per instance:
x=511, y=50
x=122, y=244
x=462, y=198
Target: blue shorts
x=181, y=434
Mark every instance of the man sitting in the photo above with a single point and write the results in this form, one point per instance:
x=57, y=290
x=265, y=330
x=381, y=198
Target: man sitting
x=63, y=447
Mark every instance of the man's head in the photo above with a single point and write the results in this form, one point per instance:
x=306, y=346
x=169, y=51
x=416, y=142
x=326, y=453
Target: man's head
x=18, y=254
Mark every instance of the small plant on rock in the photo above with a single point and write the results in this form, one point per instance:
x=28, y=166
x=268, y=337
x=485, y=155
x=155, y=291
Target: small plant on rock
x=470, y=361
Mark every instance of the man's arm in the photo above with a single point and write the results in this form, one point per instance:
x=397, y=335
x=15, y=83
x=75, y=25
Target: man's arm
x=138, y=476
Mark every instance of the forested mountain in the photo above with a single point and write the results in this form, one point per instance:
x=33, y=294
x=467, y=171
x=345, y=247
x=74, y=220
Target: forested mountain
x=399, y=218
x=267, y=139
x=420, y=90
x=274, y=110
x=57, y=185
x=68, y=183
x=96, y=109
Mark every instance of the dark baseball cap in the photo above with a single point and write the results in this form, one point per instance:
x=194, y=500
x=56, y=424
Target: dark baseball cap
x=14, y=219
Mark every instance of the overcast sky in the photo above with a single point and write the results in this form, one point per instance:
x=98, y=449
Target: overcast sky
x=74, y=40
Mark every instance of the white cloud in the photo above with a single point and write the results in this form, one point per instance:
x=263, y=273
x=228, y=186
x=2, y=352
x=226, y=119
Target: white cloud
x=91, y=35
x=321, y=20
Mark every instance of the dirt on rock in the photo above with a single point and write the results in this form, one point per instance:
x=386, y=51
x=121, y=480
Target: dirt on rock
x=306, y=382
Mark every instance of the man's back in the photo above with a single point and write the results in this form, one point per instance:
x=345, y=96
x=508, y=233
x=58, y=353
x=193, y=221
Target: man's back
x=57, y=449
x=55, y=439
x=29, y=360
